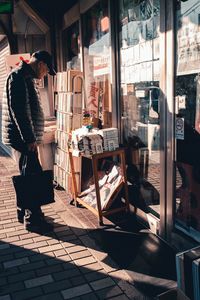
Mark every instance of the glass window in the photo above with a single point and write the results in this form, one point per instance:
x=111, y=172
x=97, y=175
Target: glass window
x=71, y=43
x=140, y=75
x=187, y=111
x=96, y=43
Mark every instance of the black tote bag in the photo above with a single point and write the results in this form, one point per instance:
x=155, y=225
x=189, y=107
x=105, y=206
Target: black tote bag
x=33, y=189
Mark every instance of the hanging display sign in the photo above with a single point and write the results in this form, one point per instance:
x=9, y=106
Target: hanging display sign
x=179, y=128
x=101, y=65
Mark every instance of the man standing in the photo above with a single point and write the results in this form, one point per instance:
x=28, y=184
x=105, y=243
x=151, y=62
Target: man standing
x=23, y=125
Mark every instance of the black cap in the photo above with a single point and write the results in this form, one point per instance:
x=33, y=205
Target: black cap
x=44, y=56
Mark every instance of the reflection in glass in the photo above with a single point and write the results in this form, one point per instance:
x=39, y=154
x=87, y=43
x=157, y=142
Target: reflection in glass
x=96, y=42
x=140, y=72
x=187, y=109
x=71, y=44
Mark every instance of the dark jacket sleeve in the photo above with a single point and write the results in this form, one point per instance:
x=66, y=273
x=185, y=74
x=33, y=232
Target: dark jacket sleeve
x=19, y=106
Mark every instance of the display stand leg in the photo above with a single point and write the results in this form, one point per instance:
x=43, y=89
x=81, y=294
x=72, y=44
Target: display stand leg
x=73, y=179
x=123, y=165
x=96, y=182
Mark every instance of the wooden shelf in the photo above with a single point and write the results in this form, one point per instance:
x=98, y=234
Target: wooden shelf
x=99, y=211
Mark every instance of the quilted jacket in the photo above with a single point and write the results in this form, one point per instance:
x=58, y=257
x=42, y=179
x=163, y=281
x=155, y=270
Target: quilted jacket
x=22, y=113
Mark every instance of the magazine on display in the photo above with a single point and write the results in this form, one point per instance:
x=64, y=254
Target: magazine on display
x=108, y=188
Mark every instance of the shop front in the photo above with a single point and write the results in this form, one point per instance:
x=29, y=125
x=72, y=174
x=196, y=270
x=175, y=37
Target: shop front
x=140, y=65
x=139, y=61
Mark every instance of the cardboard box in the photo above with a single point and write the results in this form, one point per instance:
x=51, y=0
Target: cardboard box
x=174, y=294
x=74, y=84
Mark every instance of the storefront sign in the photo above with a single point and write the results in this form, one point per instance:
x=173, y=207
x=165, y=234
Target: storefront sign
x=101, y=65
x=179, y=128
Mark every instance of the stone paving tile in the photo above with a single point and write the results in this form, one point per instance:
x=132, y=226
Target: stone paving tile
x=38, y=245
x=49, y=269
x=32, y=266
x=53, y=242
x=21, y=277
x=81, y=254
x=57, y=286
x=90, y=296
x=78, y=280
x=85, y=261
x=24, y=242
x=16, y=262
x=10, y=288
x=92, y=276
x=50, y=248
x=7, y=257
x=11, y=239
x=62, y=260
x=39, y=257
x=102, y=283
x=69, y=244
x=59, y=252
x=92, y=267
x=25, y=253
x=9, y=272
x=109, y=292
x=27, y=294
x=76, y=291
x=3, y=247
x=75, y=249
x=66, y=274
x=18, y=233
x=30, y=283
x=54, y=296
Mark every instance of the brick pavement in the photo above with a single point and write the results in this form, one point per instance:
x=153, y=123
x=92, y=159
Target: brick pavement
x=66, y=264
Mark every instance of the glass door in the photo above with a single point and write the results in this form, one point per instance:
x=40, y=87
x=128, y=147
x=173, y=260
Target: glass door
x=187, y=123
x=140, y=76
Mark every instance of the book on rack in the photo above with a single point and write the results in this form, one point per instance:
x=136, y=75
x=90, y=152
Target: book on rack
x=68, y=81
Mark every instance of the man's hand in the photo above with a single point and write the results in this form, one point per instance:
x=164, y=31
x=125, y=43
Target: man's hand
x=32, y=147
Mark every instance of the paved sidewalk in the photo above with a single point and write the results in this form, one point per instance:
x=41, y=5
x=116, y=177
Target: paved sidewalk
x=66, y=264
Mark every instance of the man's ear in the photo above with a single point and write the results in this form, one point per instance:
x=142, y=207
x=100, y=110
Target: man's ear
x=39, y=63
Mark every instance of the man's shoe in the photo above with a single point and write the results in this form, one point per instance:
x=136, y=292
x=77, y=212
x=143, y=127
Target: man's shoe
x=21, y=214
x=41, y=226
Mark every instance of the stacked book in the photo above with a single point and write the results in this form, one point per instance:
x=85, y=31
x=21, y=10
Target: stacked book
x=95, y=141
x=87, y=143
x=110, y=138
x=68, y=104
x=68, y=81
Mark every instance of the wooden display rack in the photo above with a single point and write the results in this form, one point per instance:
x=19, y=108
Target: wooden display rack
x=99, y=212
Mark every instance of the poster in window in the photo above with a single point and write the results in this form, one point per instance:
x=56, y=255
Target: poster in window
x=188, y=45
